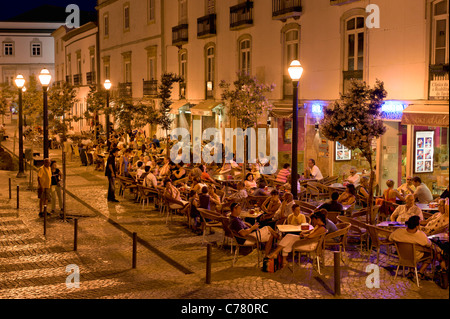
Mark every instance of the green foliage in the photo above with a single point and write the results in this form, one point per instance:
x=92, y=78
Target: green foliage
x=95, y=101
x=33, y=101
x=247, y=101
x=164, y=93
x=7, y=95
x=60, y=103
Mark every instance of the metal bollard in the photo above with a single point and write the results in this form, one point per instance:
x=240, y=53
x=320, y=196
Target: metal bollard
x=9, y=188
x=337, y=273
x=208, y=263
x=75, y=234
x=45, y=220
x=17, y=196
x=134, y=250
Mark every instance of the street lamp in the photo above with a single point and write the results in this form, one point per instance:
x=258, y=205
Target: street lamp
x=45, y=78
x=295, y=72
x=20, y=82
x=107, y=86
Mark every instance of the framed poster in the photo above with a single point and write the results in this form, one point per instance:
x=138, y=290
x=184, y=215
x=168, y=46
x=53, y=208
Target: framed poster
x=342, y=153
x=423, y=152
x=287, y=136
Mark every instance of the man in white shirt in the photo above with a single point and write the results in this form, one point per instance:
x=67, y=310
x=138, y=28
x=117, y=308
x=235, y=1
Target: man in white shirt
x=313, y=171
x=422, y=193
x=150, y=180
x=354, y=178
x=403, y=212
x=407, y=188
x=413, y=235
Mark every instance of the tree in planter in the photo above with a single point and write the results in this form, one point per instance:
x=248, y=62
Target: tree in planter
x=246, y=102
x=165, y=93
x=355, y=121
x=60, y=103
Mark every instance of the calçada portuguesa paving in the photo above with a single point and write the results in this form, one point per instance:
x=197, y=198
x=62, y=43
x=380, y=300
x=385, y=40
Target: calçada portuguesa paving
x=171, y=260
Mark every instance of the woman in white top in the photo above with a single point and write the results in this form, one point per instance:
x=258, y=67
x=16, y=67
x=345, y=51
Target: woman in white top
x=250, y=182
x=301, y=241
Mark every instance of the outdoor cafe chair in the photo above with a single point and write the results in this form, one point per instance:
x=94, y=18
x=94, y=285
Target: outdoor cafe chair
x=304, y=204
x=357, y=229
x=333, y=216
x=172, y=206
x=316, y=252
x=379, y=237
x=227, y=233
x=250, y=244
x=407, y=257
x=209, y=219
x=342, y=234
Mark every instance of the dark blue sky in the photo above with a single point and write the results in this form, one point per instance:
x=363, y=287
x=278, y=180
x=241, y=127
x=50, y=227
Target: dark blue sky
x=12, y=8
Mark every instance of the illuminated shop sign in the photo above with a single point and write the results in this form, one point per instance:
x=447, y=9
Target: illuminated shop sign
x=392, y=110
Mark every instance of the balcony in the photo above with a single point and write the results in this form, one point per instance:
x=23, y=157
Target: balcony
x=241, y=15
x=77, y=79
x=341, y=2
x=125, y=90
x=206, y=26
x=150, y=88
x=180, y=35
x=90, y=78
x=285, y=9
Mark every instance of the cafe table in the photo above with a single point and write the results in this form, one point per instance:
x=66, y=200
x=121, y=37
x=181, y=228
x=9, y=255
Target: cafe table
x=317, y=204
x=427, y=208
x=442, y=237
x=292, y=228
x=390, y=224
x=224, y=180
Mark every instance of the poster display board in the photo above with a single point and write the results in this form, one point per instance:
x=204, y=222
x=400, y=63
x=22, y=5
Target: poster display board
x=342, y=153
x=423, y=153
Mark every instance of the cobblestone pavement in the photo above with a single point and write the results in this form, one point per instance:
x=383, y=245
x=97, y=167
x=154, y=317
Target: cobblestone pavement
x=171, y=260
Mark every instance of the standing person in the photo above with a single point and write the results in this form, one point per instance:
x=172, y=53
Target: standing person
x=156, y=141
x=110, y=171
x=312, y=171
x=56, y=186
x=125, y=163
x=44, y=177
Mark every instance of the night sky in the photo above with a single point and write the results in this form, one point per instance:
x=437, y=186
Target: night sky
x=12, y=8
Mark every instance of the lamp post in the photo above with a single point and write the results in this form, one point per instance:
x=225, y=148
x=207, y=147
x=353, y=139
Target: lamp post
x=107, y=86
x=20, y=82
x=45, y=78
x=295, y=72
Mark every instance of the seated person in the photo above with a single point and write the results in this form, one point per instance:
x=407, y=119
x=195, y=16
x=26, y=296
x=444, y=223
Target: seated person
x=403, y=212
x=215, y=200
x=284, y=173
x=333, y=205
x=179, y=172
x=329, y=225
x=204, y=198
x=285, y=208
x=270, y=207
x=140, y=169
x=286, y=244
x=198, y=185
x=193, y=211
x=250, y=182
x=407, y=188
x=363, y=190
x=150, y=178
x=413, y=235
x=422, y=194
x=172, y=193
x=287, y=186
x=296, y=218
x=437, y=220
x=239, y=195
x=237, y=225
x=261, y=189
x=348, y=197
x=354, y=178
x=205, y=176
x=391, y=194
x=165, y=169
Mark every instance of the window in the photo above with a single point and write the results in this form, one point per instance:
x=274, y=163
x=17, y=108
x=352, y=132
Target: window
x=244, y=56
x=36, y=49
x=126, y=17
x=210, y=58
x=291, y=52
x=127, y=71
x=354, y=43
x=183, y=73
x=182, y=11
x=440, y=32
x=8, y=48
x=152, y=68
x=106, y=23
x=151, y=10
x=106, y=70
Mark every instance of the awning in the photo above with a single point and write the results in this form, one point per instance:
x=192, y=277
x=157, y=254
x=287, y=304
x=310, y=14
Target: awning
x=177, y=105
x=204, y=108
x=281, y=113
x=426, y=115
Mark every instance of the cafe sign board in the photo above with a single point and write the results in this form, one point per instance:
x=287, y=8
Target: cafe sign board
x=439, y=90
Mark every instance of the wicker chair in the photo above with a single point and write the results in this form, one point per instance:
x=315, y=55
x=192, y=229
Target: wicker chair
x=209, y=219
x=357, y=229
x=252, y=244
x=342, y=234
x=407, y=257
x=317, y=251
x=379, y=237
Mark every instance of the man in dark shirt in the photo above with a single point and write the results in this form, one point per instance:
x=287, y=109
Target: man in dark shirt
x=333, y=205
x=156, y=141
x=265, y=235
x=110, y=171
